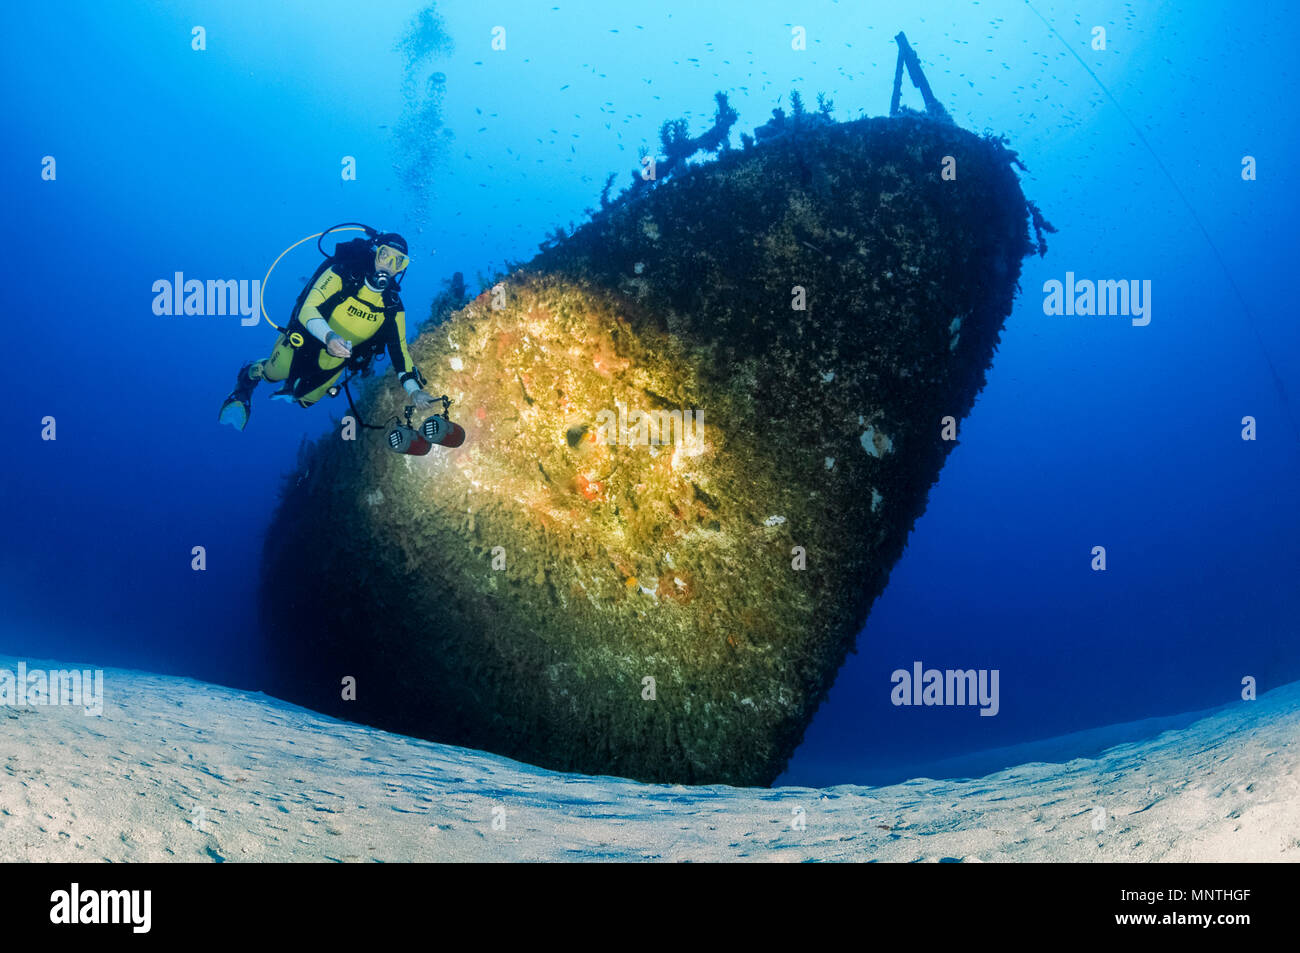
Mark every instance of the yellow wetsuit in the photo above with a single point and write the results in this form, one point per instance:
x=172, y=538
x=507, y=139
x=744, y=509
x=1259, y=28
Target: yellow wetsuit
x=359, y=318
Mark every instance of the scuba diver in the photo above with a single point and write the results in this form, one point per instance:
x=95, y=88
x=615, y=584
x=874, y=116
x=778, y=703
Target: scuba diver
x=347, y=314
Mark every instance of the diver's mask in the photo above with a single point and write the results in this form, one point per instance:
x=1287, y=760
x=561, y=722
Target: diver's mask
x=390, y=261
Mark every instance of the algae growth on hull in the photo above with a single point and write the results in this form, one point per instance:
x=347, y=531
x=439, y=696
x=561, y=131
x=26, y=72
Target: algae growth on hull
x=575, y=594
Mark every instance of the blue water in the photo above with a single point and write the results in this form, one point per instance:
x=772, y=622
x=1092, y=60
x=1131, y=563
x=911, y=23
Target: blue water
x=1090, y=432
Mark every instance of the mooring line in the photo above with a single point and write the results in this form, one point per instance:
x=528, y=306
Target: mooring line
x=1227, y=273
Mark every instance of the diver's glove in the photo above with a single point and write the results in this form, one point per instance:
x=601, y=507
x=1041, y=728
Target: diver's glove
x=338, y=345
x=418, y=398
x=421, y=400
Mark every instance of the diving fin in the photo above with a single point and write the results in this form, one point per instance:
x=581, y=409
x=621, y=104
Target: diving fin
x=235, y=412
x=237, y=407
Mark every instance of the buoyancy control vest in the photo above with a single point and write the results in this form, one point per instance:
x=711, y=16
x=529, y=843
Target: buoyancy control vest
x=352, y=261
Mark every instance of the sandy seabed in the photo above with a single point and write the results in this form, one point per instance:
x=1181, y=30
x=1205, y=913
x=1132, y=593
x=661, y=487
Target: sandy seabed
x=176, y=769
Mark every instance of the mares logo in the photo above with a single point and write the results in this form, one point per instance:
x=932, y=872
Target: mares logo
x=357, y=312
